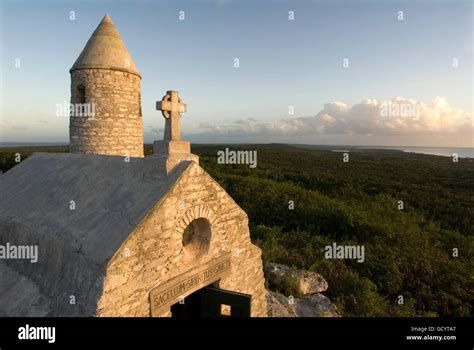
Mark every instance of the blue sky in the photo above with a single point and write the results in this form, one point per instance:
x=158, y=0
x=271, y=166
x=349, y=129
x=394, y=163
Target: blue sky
x=282, y=63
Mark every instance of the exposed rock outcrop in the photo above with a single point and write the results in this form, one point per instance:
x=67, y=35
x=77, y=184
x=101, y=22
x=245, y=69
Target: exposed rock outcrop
x=315, y=305
x=275, y=308
x=308, y=284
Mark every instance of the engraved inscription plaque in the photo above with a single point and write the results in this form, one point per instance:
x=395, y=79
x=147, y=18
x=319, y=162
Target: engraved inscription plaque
x=170, y=292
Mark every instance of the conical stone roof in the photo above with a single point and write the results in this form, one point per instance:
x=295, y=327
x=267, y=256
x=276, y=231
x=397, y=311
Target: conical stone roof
x=105, y=50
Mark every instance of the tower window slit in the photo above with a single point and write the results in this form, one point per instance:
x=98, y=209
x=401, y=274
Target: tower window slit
x=81, y=94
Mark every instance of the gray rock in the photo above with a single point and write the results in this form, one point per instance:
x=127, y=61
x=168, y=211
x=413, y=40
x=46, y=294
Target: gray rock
x=316, y=305
x=275, y=308
x=307, y=282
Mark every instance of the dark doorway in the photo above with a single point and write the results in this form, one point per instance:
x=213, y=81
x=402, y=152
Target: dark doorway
x=212, y=302
x=189, y=307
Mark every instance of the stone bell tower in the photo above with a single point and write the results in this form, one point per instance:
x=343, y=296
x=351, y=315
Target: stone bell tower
x=106, y=116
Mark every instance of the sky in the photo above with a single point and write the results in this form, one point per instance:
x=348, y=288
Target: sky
x=340, y=72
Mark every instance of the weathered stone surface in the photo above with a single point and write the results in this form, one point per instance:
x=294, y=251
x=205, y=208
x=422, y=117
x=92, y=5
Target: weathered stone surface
x=200, y=276
x=172, y=106
x=166, y=256
x=116, y=128
x=170, y=147
x=125, y=235
x=307, y=282
x=105, y=78
x=105, y=50
x=275, y=308
x=173, y=152
x=315, y=305
x=30, y=302
x=109, y=194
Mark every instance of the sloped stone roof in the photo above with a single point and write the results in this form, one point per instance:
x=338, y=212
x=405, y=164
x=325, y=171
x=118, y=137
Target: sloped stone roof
x=111, y=197
x=20, y=296
x=106, y=50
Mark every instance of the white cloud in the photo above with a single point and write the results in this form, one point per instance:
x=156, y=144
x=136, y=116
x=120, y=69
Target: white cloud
x=205, y=126
x=405, y=117
x=153, y=133
x=245, y=121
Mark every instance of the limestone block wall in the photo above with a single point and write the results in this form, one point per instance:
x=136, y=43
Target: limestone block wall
x=154, y=253
x=116, y=128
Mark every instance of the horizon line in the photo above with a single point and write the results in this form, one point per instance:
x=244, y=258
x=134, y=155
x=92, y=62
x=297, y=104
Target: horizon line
x=54, y=143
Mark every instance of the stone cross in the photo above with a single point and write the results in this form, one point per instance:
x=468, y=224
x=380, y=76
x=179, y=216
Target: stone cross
x=171, y=107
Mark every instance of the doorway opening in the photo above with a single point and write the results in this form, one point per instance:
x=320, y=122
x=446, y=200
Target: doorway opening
x=189, y=307
x=212, y=301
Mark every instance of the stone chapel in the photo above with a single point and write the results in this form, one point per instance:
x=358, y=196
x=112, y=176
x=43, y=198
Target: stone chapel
x=117, y=233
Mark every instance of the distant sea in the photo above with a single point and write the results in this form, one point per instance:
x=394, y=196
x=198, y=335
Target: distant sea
x=436, y=151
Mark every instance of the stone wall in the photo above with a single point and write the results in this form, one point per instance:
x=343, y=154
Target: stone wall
x=154, y=253
x=116, y=128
